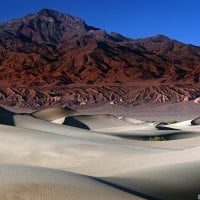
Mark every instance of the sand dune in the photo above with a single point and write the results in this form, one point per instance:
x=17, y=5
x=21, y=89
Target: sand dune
x=185, y=126
x=54, y=113
x=134, y=121
x=129, y=128
x=25, y=182
x=114, y=126
x=178, y=181
x=110, y=158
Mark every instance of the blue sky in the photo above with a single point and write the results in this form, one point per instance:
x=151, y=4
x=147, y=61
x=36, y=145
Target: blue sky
x=178, y=19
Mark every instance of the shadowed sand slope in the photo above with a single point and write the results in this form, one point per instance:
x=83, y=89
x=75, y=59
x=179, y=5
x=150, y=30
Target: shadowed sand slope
x=72, y=121
x=195, y=121
x=6, y=117
x=176, y=181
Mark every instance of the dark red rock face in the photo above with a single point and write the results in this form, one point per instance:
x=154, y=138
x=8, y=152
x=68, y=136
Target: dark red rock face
x=50, y=57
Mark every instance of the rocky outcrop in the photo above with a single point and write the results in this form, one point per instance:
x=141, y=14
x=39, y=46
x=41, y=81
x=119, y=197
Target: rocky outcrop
x=87, y=95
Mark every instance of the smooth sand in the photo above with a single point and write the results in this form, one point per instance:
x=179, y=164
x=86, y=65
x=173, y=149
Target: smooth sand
x=96, y=164
x=25, y=182
x=54, y=113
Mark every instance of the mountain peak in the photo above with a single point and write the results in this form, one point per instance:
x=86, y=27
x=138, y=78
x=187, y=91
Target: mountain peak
x=46, y=11
x=52, y=13
x=161, y=36
x=44, y=26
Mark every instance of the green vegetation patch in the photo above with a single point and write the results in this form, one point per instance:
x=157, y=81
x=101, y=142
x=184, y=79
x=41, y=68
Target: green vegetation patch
x=157, y=138
x=164, y=122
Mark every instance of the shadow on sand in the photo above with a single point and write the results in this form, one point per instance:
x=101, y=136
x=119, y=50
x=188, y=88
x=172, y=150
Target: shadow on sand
x=71, y=121
x=6, y=117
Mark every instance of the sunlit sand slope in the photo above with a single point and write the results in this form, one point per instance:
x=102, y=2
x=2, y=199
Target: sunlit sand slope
x=24, y=182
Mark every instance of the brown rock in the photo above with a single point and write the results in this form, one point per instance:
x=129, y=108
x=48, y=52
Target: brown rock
x=54, y=58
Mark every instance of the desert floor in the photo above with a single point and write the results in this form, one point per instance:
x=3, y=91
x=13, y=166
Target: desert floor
x=58, y=153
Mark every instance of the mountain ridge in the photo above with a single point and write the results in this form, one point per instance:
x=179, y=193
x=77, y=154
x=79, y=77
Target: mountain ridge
x=48, y=50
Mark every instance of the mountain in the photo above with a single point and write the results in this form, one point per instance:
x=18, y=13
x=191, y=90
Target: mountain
x=54, y=58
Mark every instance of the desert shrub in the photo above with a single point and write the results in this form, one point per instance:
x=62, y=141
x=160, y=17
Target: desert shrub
x=164, y=122
x=172, y=122
x=157, y=138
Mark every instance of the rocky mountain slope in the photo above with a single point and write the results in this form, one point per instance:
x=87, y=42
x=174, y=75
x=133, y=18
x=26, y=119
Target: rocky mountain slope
x=53, y=58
